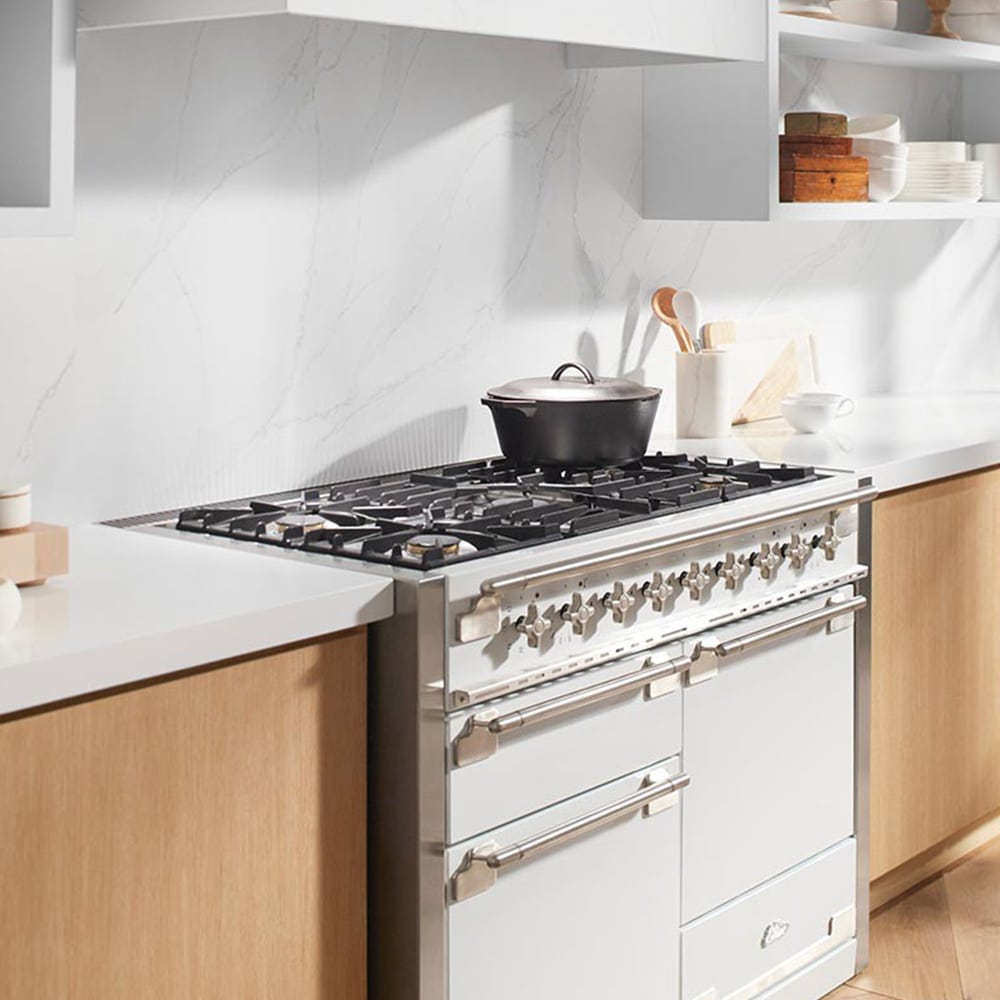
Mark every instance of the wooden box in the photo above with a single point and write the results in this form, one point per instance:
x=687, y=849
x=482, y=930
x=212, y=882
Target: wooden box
x=33, y=554
x=815, y=123
x=824, y=178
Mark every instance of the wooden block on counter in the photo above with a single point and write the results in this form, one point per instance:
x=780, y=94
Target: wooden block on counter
x=808, y=162
x=815, y=145
x=815, y=123
x=33, y=554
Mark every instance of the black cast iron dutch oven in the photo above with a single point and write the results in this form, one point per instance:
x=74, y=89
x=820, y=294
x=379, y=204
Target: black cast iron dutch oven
x=583, y=422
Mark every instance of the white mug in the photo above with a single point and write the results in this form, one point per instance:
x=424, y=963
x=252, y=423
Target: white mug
x=810, y=412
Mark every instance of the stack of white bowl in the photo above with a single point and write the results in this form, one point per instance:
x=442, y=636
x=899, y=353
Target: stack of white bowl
x=941, y=171
x=976, y=20
x=876, y=138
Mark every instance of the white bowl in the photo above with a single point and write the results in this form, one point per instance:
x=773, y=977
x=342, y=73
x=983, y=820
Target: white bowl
x=879, y=147
x=810, y=412
x=885, y=127
x=10, y=605
x=885, y=162
x=977, y=27
x=938, y=152
x=872, y=13
x=885, y=183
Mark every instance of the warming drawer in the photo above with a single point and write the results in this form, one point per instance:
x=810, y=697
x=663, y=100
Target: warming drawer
x=773, y=932
x=580, y=900
x=524, y=752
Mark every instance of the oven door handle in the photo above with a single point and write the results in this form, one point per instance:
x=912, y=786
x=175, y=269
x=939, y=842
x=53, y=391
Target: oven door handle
x=485, y=617
x=482, y=865
x=709, y=651
x=480, y=737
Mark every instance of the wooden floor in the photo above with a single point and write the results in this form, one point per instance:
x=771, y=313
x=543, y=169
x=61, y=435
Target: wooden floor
x=940, y=942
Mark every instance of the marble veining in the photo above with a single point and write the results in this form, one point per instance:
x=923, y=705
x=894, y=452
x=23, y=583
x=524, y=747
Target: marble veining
x=305, y=248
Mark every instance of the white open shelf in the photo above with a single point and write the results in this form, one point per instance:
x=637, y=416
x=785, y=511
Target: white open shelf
x=818, y=39
x=712, y=154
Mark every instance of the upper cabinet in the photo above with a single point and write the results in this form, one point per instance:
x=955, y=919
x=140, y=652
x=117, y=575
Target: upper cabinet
x=711, y=146
x=665, y=30
x=37, y=109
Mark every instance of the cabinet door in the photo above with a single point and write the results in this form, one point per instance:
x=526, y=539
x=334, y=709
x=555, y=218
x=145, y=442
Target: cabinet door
x=935, y=676
x=201, y=838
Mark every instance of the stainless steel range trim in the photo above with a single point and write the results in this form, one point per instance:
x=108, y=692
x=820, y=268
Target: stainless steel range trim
x=485, y=619
x=407, y=775
x=482, y=865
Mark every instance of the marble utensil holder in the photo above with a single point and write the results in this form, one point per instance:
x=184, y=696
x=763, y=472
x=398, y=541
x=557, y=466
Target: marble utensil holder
x=703, y=393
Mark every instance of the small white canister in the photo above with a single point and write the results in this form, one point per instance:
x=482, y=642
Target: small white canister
x=703, y=395
x=15, y=507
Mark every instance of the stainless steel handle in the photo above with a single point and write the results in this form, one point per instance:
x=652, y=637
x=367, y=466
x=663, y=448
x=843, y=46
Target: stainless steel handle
x=709, y=650
x=480, y=737
x=482, y=865
x=485, y=619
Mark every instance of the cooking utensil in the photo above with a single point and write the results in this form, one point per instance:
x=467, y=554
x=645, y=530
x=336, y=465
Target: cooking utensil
x=663, y=308
x=939, y=19
x=584, y=421
x=688, y=309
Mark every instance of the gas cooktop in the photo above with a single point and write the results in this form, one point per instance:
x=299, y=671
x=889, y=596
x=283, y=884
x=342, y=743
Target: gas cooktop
x=427, y=519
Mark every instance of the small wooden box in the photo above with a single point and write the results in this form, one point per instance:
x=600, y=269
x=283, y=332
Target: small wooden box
x=824, y=178
x=815, y=123
x=815, y=145
x=33, y=554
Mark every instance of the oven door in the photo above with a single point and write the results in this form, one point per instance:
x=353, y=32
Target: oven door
x=769, y=744
x=579, y=900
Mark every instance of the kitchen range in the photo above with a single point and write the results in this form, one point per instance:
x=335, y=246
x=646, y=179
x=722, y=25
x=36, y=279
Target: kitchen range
x=614, y=748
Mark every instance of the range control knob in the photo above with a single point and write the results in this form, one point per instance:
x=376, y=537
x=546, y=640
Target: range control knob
x=660, y=589
x=732, y=570
x=578, y=612
x=796, y=551
x=620, y=601
x=767, y=560
x=696, y=580
x=829, y=542
x=533, y=625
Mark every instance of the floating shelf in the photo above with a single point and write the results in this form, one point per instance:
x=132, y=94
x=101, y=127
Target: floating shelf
x=885, y=211
x=818, y=39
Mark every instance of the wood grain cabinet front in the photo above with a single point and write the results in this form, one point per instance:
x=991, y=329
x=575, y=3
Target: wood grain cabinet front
x=199, y=838
x=935, y=668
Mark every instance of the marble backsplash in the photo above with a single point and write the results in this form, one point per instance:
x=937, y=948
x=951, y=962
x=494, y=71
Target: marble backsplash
x=304, y=249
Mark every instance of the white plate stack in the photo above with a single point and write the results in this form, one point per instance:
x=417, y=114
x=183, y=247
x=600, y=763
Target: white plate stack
x=940, y=171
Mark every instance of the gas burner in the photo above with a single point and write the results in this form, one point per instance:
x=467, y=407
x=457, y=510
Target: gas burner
x=441, y=516
x=421, y=545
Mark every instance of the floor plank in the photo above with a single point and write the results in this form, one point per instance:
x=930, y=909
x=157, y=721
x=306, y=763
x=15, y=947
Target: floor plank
x=913, y=953
x=973, y=893
x=851, y=993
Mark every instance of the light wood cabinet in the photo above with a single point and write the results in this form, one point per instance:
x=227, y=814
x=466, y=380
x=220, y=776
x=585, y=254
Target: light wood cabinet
x=199, y=838
x=935, y=665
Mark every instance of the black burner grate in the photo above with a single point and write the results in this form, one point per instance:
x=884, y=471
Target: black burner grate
x=441, y=516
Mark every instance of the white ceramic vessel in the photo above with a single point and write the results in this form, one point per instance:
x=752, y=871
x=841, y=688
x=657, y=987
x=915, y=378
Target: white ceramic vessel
x=10, y=605
x=988, y=153
x=884, y=127
x=704, y=408
x=15, y=507
x=810, y=412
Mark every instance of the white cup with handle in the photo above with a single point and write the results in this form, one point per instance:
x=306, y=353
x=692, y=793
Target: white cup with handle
x=811, y=412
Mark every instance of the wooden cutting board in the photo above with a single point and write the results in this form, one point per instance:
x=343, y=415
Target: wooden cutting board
x=33, y=554
x=773, y=356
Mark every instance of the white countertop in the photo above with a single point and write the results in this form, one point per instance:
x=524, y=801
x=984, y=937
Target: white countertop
x=898, y=440
x=135, y=606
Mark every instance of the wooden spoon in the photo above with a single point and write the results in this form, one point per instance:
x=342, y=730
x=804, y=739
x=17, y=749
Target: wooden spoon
x=663, y=307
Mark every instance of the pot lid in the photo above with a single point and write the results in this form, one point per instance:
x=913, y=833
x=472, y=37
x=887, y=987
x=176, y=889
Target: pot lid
x=584, y=388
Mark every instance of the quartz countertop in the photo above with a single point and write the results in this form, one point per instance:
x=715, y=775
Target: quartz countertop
x=135, y=606
x=899, y=441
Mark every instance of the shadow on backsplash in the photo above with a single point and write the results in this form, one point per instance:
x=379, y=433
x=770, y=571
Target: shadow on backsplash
x=434, y=439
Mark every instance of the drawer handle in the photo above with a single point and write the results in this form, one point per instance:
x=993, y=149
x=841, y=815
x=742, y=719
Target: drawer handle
x=481, y=866
x=480, y=737
x=709, y=652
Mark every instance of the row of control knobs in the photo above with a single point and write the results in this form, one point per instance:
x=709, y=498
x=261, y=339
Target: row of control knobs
x=696, y=580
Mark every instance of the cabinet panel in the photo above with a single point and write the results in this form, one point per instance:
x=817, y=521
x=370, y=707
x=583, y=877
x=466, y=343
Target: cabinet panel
x=200, y=838
x=935, y=676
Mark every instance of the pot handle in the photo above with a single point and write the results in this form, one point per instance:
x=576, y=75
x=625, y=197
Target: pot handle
x=582, y=369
